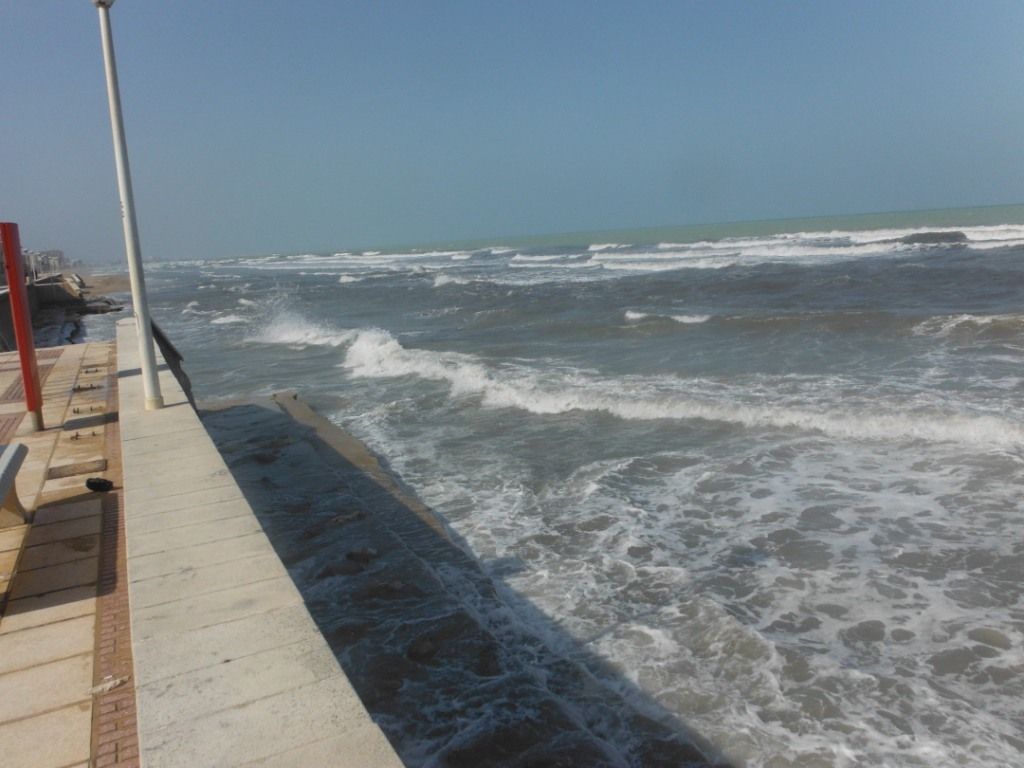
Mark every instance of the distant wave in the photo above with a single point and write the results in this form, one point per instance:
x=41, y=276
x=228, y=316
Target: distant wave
x=192, y=308
x=947, y=325
x=377, y=354
x=541, y=258
x=442, y=280
x=611, y=260
x=343, y=279
x=228, y=320
x=634, y=317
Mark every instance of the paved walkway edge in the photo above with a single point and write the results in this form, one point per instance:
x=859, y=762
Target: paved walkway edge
x=230, y=669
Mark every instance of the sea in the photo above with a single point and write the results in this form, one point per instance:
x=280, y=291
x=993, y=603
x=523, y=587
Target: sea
x=770, y=474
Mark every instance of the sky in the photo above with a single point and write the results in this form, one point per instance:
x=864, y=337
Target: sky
x=257, y=127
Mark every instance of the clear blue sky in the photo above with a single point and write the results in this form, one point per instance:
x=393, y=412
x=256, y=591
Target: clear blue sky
x=257, y=126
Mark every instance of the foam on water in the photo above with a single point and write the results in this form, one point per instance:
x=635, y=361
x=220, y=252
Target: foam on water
x=519, y=257
x=228, y=320
x=616, y=260
x=376, y=353
x=633, y=317
x=945, y=326
x=292, y=329
x=690, y=319
x=442, y=280
x=800, y=601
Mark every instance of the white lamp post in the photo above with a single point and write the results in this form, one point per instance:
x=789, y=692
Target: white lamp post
x=150, y=382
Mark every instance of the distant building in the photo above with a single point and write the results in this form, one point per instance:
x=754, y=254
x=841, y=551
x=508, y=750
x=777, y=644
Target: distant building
x=38, y=264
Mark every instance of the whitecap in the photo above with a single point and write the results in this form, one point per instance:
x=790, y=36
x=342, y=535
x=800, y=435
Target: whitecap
x=228, y=320
x=442, y=280
x=376, y=353
x=293, y=329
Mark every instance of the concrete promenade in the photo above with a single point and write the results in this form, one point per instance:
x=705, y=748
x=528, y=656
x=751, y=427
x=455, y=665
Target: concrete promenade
x=230, y=669
x=153, y=625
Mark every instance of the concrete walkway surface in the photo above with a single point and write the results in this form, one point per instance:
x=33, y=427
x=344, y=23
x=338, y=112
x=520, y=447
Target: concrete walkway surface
x=230, y=669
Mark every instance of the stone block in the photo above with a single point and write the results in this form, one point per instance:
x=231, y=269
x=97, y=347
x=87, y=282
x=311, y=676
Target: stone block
x=79, y=573
x=35, y=690
x=49, y=608
x=58, y=738
x=50, y=642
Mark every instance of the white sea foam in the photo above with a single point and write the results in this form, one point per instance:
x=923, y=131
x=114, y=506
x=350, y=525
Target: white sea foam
x=375, y=353
x=344, y=279
x=553, y=268
x=442, y=280
x=633, y=317
x=707, y=639
x=228, y=320
x=713, y=638
x=946, y=325
x=691, y=319
x=247, y=303
x=618, y=259
x=292, y=329
x=988, y=245
x=521, y=257
x=192, y=308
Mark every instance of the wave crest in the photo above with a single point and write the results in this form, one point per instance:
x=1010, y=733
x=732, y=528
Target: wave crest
x=377, y=354
x=292, y=329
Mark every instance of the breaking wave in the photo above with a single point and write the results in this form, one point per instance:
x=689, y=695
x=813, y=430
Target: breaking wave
x=442, y=280
x=377, y=354
x=635, y=317
x=950, y=324
x=292, y=329
x=228, y=320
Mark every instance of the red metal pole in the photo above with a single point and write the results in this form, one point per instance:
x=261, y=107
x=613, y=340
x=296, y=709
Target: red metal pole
x=22, y=318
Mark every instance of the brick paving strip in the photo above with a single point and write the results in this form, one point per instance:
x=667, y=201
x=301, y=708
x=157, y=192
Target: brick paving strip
x=115, y=740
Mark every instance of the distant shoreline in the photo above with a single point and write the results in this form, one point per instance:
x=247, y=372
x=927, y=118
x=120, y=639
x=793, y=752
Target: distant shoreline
x=99, y=285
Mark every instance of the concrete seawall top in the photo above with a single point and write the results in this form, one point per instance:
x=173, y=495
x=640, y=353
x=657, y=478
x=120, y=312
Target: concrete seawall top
x=230, y=669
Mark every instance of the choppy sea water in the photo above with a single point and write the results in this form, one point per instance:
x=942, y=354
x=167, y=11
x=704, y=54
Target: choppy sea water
x=774, y=480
